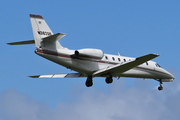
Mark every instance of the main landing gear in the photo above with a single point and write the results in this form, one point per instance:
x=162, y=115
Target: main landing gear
x=160, y=86
x=109, y=80
x=89, y=81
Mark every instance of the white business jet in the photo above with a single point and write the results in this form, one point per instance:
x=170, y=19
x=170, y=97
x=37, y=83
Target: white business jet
x=89, y=62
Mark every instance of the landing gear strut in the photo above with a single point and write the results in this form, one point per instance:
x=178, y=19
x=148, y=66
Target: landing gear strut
x=109, y=80
x=160, y=87
x=89, y=81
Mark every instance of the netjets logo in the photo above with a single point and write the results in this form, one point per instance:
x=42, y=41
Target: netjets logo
x=44, y=33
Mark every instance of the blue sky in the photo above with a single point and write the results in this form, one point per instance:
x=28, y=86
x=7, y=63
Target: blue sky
x=132, y=28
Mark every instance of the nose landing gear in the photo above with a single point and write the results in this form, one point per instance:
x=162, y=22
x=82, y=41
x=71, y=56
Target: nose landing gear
x=160, y=87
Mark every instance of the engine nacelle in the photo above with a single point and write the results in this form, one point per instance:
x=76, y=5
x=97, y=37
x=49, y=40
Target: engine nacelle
x=91, y=53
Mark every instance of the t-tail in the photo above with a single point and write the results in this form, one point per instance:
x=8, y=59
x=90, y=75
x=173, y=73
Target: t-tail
x=43, y=36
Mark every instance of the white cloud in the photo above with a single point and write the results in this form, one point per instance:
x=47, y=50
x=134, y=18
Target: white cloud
x=137, y=103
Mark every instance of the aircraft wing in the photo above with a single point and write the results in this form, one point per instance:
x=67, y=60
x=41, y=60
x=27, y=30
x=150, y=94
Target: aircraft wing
x=69, y=75
x=120, y=68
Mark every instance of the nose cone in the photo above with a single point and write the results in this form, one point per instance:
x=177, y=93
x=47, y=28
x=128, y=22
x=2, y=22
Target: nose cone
x=164, y=75
x=170, y=78
x=169, y=75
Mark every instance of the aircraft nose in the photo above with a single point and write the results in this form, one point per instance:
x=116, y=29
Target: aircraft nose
x=165, y=74
x=172, y=77
x=169, y=76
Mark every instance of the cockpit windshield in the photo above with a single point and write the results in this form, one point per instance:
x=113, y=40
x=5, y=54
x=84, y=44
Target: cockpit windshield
x=157, y=65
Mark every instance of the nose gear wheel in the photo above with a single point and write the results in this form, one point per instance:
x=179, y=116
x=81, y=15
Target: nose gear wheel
x=160, y=86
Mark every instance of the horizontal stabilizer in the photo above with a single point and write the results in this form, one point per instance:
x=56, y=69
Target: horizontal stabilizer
x=22, y=42
x=49, y=39
x=69, y=75
x=120, y=68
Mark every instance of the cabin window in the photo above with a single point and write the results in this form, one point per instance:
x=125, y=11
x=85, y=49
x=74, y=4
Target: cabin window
x=113, y=58
x=106, y=57
x=124, y=60
x=119, y=59
x=146, y=63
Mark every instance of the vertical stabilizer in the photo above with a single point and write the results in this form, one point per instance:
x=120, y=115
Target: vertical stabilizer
x=41, y=31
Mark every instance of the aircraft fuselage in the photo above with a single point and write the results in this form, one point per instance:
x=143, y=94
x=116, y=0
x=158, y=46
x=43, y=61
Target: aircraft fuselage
x=89, y=65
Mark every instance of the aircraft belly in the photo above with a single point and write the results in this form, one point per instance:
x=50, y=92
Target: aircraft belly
x=85, y=66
